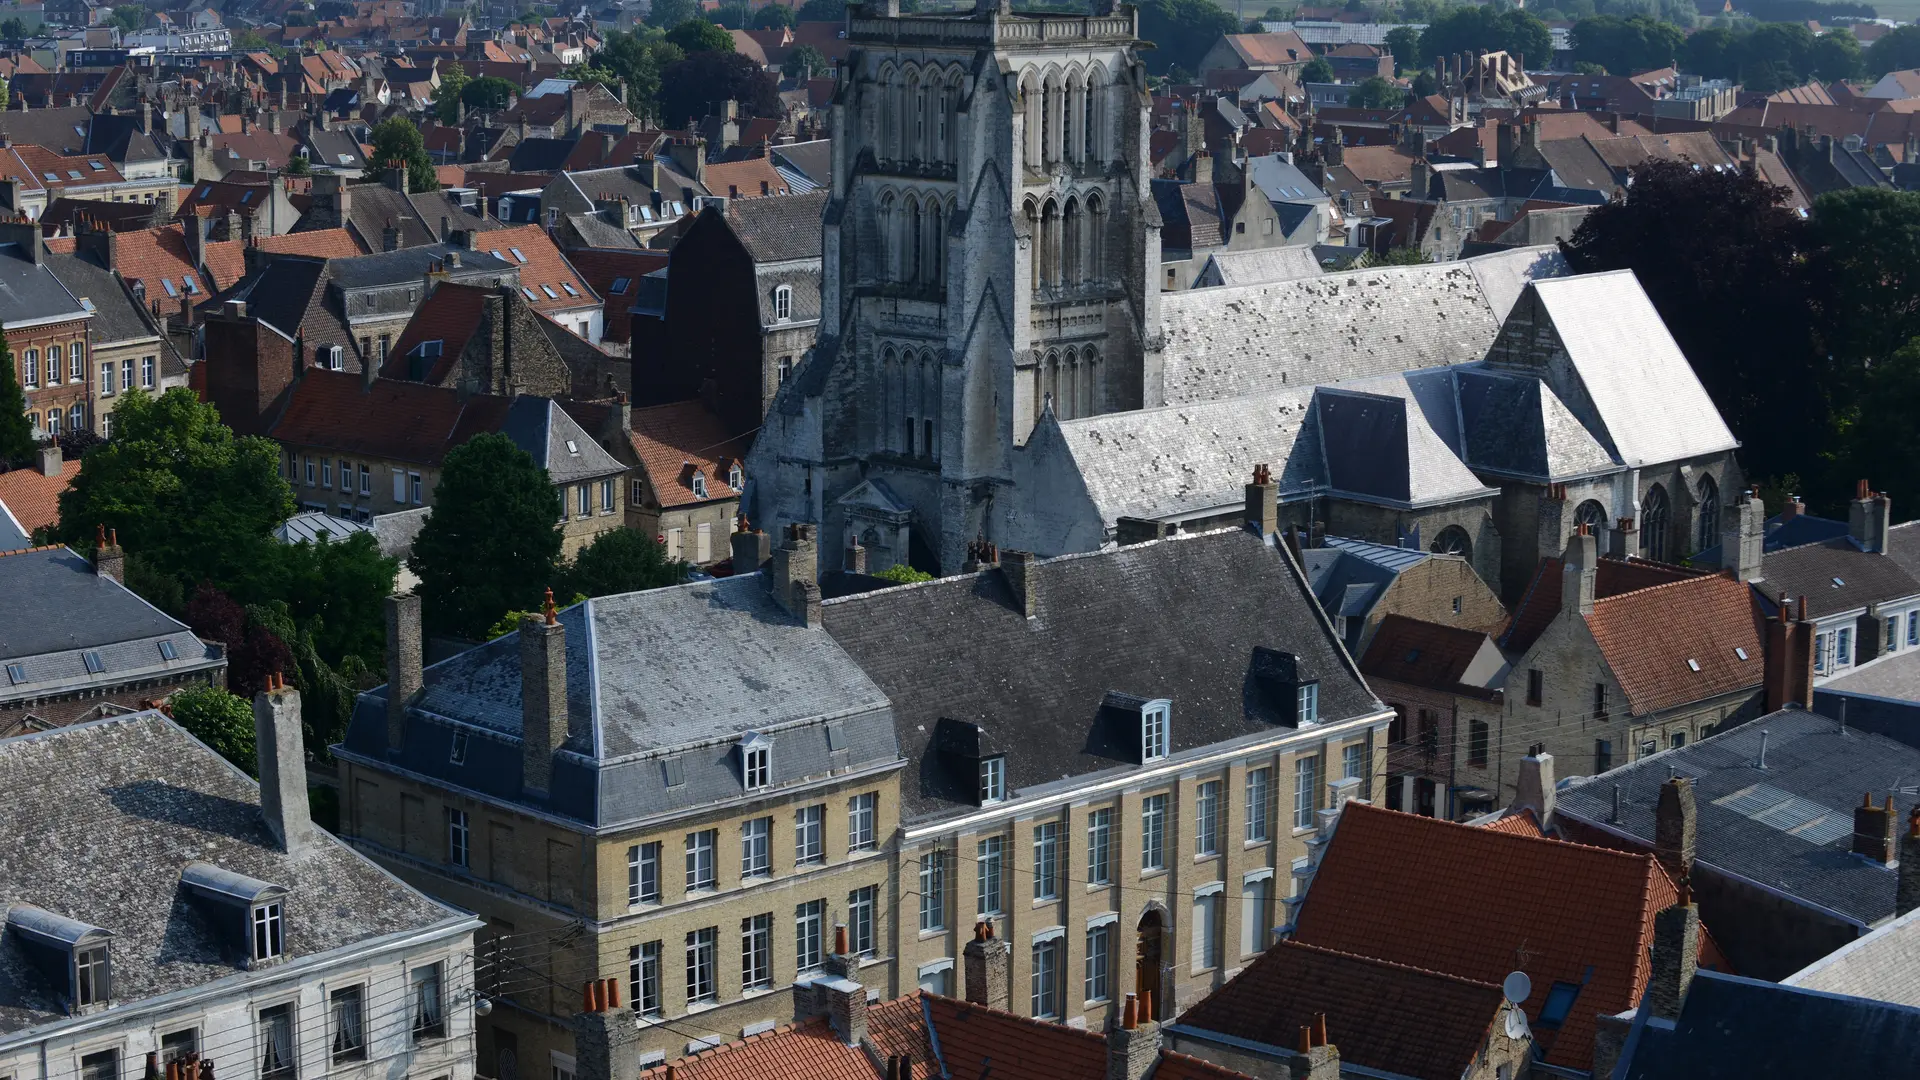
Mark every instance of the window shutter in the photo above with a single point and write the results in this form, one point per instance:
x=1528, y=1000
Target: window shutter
x=399, y=486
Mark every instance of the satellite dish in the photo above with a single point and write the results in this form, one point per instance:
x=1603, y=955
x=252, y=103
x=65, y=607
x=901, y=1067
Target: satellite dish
x=1516, y=1023
x=1517, y=987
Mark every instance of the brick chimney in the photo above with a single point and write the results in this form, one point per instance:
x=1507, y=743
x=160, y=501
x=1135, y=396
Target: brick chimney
x=1133, y=1046
x=1787, y=674
x=1020, y=572
x=403, y=664
x=795, y=580
x=1314, y=1056
x=1676, y=956
x=1743, y=536
x=1674, y=829
x=843, y=998
x=51, y=460
x=1202, y=167
x=109, y=561
x=751, y=548
x=606, y=1040
x=282, y=762
x=1579, y=567
x=989, y=968
x=1873, y=831
x=1906, y=895
x=856, y=556
x=543, y=696
x=1263, y=505
x=1868, y=518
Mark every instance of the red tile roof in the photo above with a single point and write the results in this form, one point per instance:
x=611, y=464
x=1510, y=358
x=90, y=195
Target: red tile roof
x=1421, y=653
x=809, y=1050
x=673, y=441
x=1654, y=639
x=541, y=266
x=1520, y=824
x=745, y=178
x=319, y=243
x=1480, y=903
x=973, y=1037
x=1380, y=1015
x=158, y=259
x=1613, y=576
x=449, y=315
x=39, y=169
x=391, y=420
x=35, y=499
x=605, y=267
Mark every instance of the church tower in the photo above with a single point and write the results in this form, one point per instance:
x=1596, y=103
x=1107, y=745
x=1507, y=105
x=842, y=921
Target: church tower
x=990, y=250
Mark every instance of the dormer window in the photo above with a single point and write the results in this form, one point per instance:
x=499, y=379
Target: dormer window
x=1307, y=707
x=74, y=956
x=699, y=484
x=736, y=477
x=783, y=303
x=1156, y=727
x=1292, y=694
x=92, y=982
x=269, y=932
x=993, y=780
x=253, y=911
x=756, y=762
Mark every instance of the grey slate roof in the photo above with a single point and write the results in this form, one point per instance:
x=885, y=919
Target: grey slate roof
x=1516, y=425
x=1810, y=758
x=779, y=229
x=1834, y=576
x=813, y=160
x=677, y=673
x=1884, y=965
x=102, y=819
x=408, y=264
x=30, y=293
x=12, y=536
x=1258, y=266
x=1177, y=618
x=58, y=609
x=543, y=429
x=1735, y=1027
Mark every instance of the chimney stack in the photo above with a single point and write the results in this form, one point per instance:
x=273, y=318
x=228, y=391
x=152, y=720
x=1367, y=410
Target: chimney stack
x=403, y=664
x=989, y=968
x=795, y=580
x=109, y=560
x=1674, y=829
x=1315, y=1057
x=1580, y=566
x=1133, y=1045
x=1906, y=895
x=1624, y=538
x=543, y=696
x=1536, y=790
x=1018, y=569
x=1676, y=956
x=606, y=1040
x=1743, y=535
x=1787, y=667
x=1868, y=519
x=1263, y=506
x=51, y=461
x=282, y=763
x=751, y=548
x=1873, y=831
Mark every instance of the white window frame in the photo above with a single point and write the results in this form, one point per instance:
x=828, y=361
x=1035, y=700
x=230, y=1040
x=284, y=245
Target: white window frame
x=756, y=952
x=993, y=779
x=1256, y=910
x=863, y=821
x=700, y=845
x=1098, y=967
x=1100, y=846
x=459, y=838
x=783, y=303
x=863, y=906
x=1049, y=953
x=1207, y=927
x=1206, y=818
x=643, y=978
x=933, y=891
x=1306, y=779
x=1259, y=804
x=1046, y=860
x=1156, y=730
x=810, y=834
x=643, y=873
x=1153, y=833
x=756, y=762
x=1307, y=707
x=990, y=870
x=809, y=924
x=703, y=983
x=756, y=847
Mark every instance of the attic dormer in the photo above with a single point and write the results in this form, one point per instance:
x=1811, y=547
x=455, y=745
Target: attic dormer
x=1288, y=688
x=1140, y=728
x=972, y=759
x=76, y=957
x=248, y=915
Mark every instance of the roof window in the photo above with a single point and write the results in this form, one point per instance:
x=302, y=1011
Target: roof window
x=495, y=254
x=51, y=178
x=91, y=658
x=73, y=955
x=1289, y=691
x=699, y=484
x=1559, y=1004
x=204, y=192
x=1692, y=664
x=246, y=196
x=1739, y=652
x=96, y=166
x=168, y=652
x=16, y=674
x=548, y=289
x=573, y=448
x=191, y=286
x=570, y=290
x=529, y=292
x=73, y=174
x=1839, y=583
x=167, y=283
x=517, y=254
x=756, y=761
x=252, y=911
x=619, y=286
x=457, y=754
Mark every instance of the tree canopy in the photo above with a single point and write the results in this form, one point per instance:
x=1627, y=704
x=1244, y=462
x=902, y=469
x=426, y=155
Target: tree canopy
x=823, y=10
x=488, y=92
x=1626, y=46
x=773, y=17
x=16, y=431
x=1182, y=31
x=1317, y=70
x=1896, y=50
x=396, y=139
x=698, y=36
x=1376, y=93
x=492, y=543
x=621, y=561
x=804, y=62
x=1404, y=43
x=1477, y=28
x=639, y=58
x=221, y=719
x=665, y=13
x=689, y=87
x=446, y=96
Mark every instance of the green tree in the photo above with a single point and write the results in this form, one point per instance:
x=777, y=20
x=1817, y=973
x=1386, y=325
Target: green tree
x=222, y=720
x=665, y=13
x=1399, y=256
x=698, y=36
x=13, y=30
x=446, y=96
x=1868, y=261
x=1714, y=53
x=904, y=574
x=297, y=165
x=492, y=543
x=591, y=76
x=397, y=139
x=1628, y=45
x=639, y=59
x=182, y=491
x=1472, y=29
x=1587, y=67
x=337, y=592
x=488, y=92
x=1317, y=70
x=1837, y=56
x=1882, y=442
x=1896, y=50
x=1404, y=43
x=823, y=10
x=128, y=17
x=1723, y=262
x=690, y=86
x=1182, y=31
x=1425, y=84
x=804, y=62
x=773, y=17
x=1375, y=93
x=1783, y=50
x=16, y=431
x=736, y=15
x=621, y=561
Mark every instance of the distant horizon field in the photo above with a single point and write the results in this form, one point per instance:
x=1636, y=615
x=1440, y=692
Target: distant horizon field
x=1904, y=10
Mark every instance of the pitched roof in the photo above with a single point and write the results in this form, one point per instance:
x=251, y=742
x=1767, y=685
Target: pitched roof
x=672, y=441
x=34, y=498
x=746, y=179
x=1884, y=964
x=1730, y=1026
x=159, y=260
x=316, y=243
x=1541, y=602
x=776, y=230
x=392, y=419
x=556, y=442
x=546, y=280
x=1381, y=1015
x=1468, y=901
x=1675, y=643
x=803, y=1051
x=105, y=817
x=604, y=269
x=449, y=315
x=1835, y=576
x=1420, y=653
x=1277, y=49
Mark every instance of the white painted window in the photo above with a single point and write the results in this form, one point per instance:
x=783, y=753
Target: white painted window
x=986, y=863
x=862, y=812
x=993, y=780
x=860, y=919
x=643, y=873
x=1206, y=931
x=756, y=952
x=700, y=847
x=1099, y=950
x=756, y=854
x=1306, y=777
x=1309, y=710
x=1153, y=832
x=1046, y=860
x=1255, y=897
x=700, y=973
x=808, y=920
x=643, y=978
x=1259, y=795
x=458, y=837
x=703, y=543
x=1046, y=979
x=1100, y=847
x=1206, y=838
x=1155, y=722
x=809, y=833
x=933, y=891
x=783, y=303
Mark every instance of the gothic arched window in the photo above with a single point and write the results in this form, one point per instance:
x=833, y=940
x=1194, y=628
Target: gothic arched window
x=1033, y=243
x=1089, y=364
x=1655, y=516
x=1453, y=540
x=1096, y=229
x=1074, y=268
x=1709, y=534
x=1592, y=515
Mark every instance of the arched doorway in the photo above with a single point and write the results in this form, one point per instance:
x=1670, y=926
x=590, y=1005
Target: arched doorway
x=1148, y=949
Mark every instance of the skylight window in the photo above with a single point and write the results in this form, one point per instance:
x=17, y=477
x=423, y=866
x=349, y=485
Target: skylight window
x=646, y=213
x=168, y=652
x=496, y=255
x=1838, y=582
x=548, y=289
x=1739, y=652
x=619, y=286
x=517, y=254
x=87, y=303
x=529, y=293
x=246, y=197
x=345, y=159
x=569, y=289
x=96, y=166
x=73, y=173
x=1692, y=664
x=50, y=177
x=16, y=674
x=94, y=664
x=204, y=192
x=573, y=448
x=192, y=286
x=167, y=283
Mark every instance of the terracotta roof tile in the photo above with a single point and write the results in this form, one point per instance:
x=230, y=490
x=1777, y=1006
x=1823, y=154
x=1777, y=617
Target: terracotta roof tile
x=544, y=272
x=40, y=169
x=319, y=243
x=745, y=178
x=1381, y=1015
x=973, y=1037
x=603, y=268
x=805, y=1051
x=1614, y=576
x=673, y=441
x=449, y=315
x=397, y=421
x=1675, y=643
x=1479, y=903
x=158, y=259
x=35, y=499
x=1423, y=654
x=1520, y=824
x=1177, y=1066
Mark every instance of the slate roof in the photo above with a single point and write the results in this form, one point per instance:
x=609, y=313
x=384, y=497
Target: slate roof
x=1883, y=965
x=776, y=230
x=115, y=318
x=1192, y=216
x=1730, y=1026
x=1260, y=266
x=1385, y=1016
x=408, y=265
x=1835, y=576
x=1515, y=425
x=106, y=814
x=672, y=441
x=1809, y=758
x=555, y=442
x=1652, y=639
x=643, y=688
x=291, y=295
x=1467, y=901
x=29, y=293
x=1109, y=621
